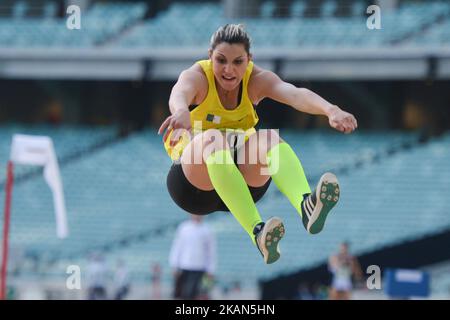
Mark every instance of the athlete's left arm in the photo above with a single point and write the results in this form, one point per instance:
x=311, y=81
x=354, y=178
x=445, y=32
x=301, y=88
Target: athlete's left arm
x=271, y=86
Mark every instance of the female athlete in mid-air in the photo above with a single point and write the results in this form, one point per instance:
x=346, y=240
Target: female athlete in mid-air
x=221, y=163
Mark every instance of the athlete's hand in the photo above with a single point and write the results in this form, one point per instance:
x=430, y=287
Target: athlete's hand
x=342, y=121
x=179, y=120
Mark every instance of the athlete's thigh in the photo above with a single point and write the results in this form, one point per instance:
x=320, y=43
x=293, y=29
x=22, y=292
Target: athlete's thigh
x=192, y=159
x=252, y=156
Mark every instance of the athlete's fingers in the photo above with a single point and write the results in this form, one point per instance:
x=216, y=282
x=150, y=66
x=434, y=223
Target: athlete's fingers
x=340, y=128
x=179, y=134
x=349, y=126
x=168, y=131
x=351, y=120
x=175, y=137
x=164, y=125
x=355, y=122
x=354, y=125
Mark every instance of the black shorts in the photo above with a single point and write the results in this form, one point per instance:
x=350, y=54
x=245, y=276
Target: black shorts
x=187, y=284
x=200, y=202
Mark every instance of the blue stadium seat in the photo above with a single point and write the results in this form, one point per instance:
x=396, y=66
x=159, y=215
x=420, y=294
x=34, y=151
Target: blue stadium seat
x=268, y=9
x=298, y=8
x=328, y=8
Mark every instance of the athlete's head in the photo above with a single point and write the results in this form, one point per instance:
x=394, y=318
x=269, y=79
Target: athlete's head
x=230, y=55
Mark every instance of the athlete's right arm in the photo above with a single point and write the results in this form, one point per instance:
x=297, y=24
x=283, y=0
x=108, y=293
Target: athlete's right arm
x=182, y=95
x=184, y=91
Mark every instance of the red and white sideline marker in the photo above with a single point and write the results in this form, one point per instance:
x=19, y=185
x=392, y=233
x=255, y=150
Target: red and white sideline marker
x=37, y=151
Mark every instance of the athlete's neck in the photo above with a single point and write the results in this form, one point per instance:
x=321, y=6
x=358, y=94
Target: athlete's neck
x=227, y=93
x=229, y=98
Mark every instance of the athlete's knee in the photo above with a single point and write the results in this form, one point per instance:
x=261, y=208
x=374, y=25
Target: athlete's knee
x=213, y=140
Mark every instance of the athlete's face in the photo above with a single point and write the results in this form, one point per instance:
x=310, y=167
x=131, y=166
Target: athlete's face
x=229, y=64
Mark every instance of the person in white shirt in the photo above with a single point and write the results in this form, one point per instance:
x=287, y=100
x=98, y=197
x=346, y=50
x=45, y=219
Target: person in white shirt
x=192, y=256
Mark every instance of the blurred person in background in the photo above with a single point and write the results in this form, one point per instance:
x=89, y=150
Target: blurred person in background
x=192, y=257
x=121, y=281
x=97, y=278
x=156, y=275
x=220, y=96
x=345, y=268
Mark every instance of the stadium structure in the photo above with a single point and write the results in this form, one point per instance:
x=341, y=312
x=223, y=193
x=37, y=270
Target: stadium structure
x=100, y=92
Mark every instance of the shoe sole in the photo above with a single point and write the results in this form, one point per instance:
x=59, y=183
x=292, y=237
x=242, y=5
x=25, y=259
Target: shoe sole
x=273, y=232
x=327, y=195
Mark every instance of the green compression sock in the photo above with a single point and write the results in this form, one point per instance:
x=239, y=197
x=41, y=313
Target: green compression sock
x=287, y=173
x=233, y=190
